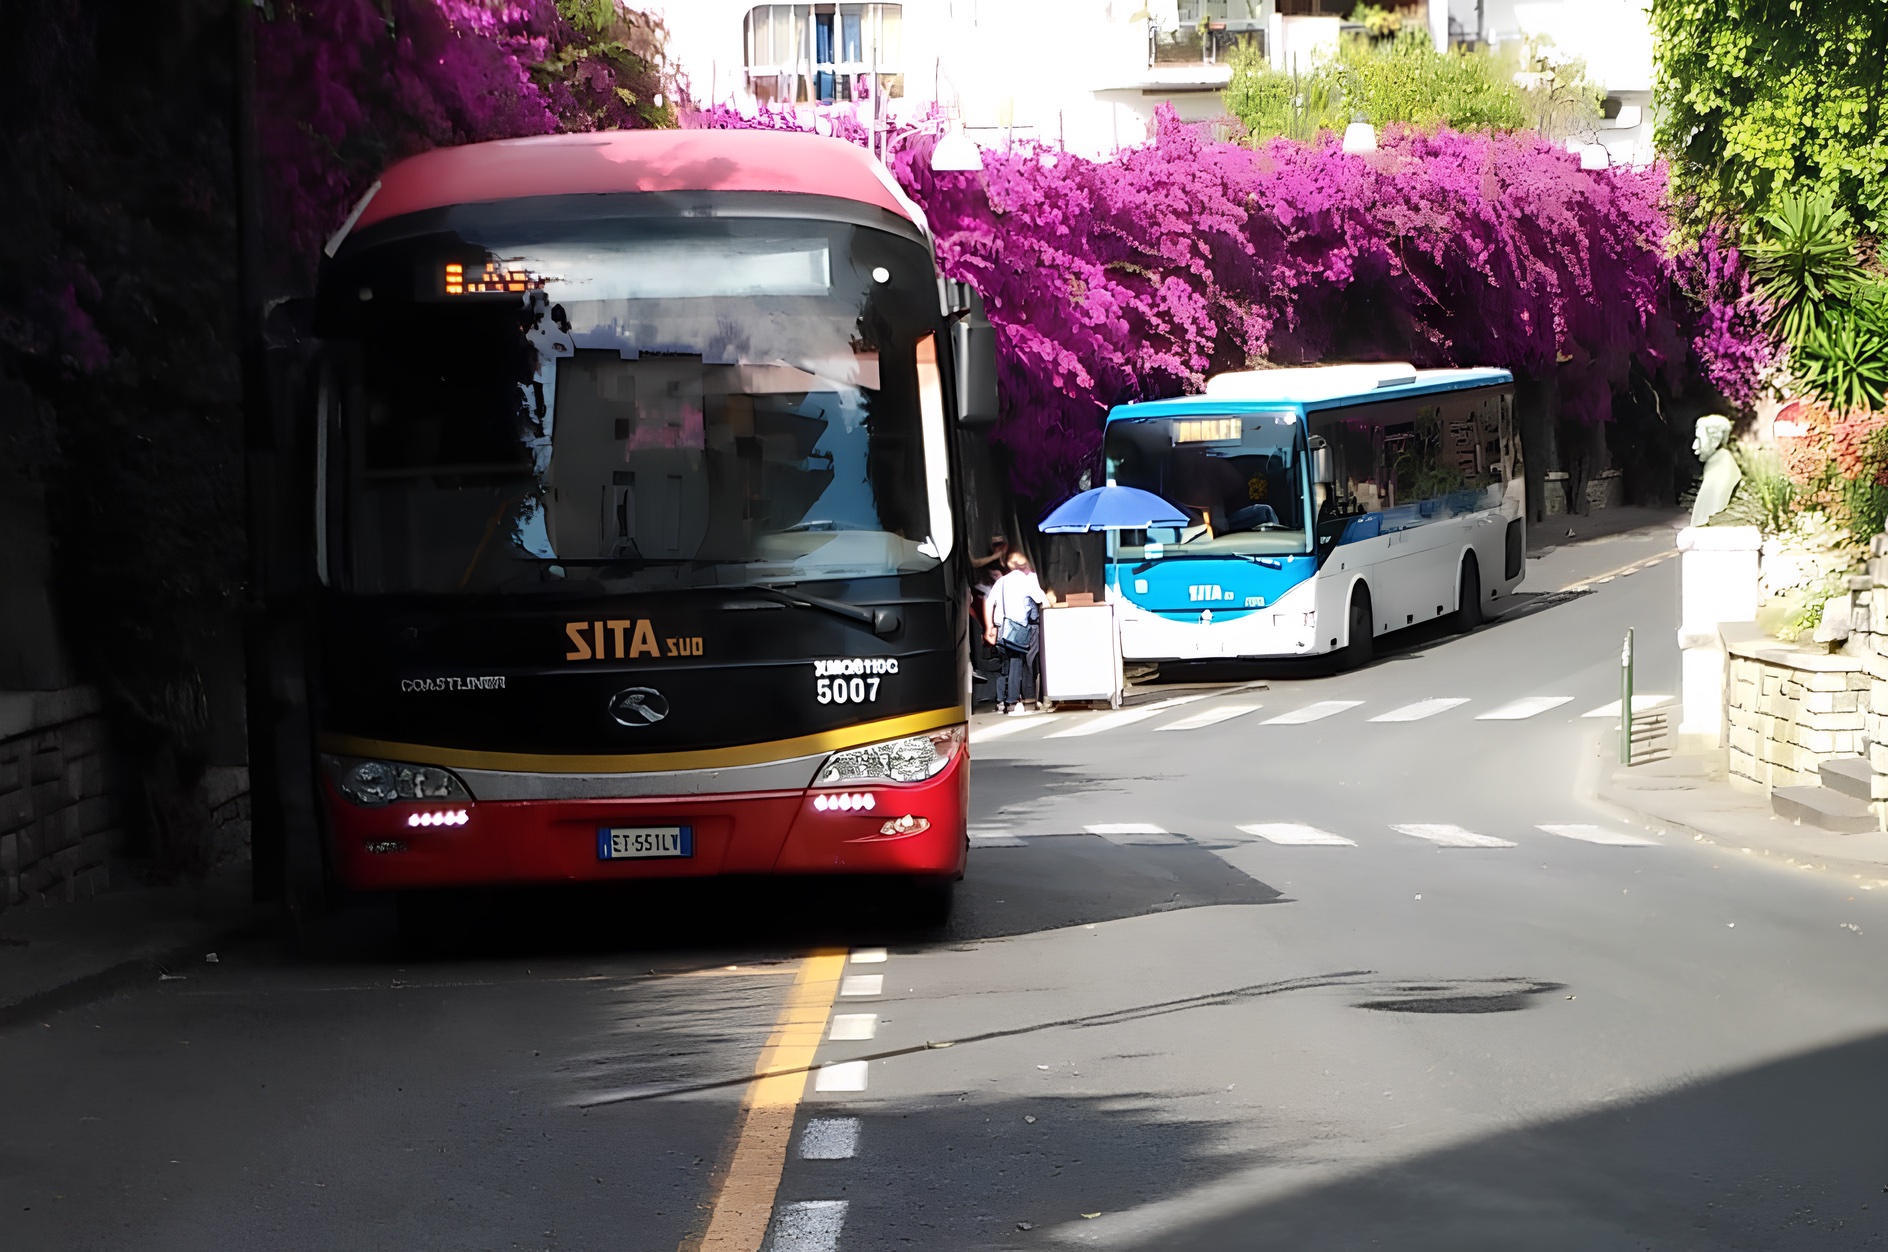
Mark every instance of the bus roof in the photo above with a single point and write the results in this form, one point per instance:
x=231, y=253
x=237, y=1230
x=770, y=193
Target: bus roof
x=1316, y=387
x=600, y=162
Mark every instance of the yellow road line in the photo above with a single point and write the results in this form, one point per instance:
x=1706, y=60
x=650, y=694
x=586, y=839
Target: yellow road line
x=1632, y=568
x=744, y=1195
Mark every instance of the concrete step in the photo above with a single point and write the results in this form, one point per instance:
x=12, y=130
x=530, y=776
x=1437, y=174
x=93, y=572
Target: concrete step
x=1823, y=809
x=1849, y=775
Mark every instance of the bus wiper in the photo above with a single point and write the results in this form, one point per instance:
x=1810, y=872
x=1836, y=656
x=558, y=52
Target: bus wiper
x=1259, y=560
x=882, y=621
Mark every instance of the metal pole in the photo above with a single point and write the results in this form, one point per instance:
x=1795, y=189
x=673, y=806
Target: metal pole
x=1625, y=701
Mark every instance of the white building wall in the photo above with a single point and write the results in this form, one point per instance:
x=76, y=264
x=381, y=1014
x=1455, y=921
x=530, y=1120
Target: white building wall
x=1612, y=37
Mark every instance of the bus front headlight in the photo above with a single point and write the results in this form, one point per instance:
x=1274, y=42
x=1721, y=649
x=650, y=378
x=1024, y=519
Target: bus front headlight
x=375, y=783
x=909, y=760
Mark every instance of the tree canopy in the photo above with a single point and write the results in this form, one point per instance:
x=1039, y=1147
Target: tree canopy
x=1764, y=96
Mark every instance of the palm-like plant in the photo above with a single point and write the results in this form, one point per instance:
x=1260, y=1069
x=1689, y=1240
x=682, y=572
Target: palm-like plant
x=1805, y=265
x=1844, y=359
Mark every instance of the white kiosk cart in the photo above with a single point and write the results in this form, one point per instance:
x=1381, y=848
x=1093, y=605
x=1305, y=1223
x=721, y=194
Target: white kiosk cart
x=1081, y=646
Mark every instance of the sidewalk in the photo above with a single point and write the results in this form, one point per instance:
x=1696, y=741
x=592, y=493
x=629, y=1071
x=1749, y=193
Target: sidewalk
x=1679, y=796
x=1569, y=528
x=54, y=955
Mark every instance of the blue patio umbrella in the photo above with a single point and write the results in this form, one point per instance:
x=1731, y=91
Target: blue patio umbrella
x=1111, y=508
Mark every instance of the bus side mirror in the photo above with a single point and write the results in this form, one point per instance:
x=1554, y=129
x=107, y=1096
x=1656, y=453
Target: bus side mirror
x=973, y=346
x=1323, y=468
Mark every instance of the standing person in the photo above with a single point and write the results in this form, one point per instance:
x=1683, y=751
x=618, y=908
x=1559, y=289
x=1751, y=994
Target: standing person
x=984, y=571
x=1012, y=614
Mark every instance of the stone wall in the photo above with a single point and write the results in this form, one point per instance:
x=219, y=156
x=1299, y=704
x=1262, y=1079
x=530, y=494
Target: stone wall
x=1789, y=708
x=60, y=824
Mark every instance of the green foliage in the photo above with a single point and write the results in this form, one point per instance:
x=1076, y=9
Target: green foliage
x=589, y=17
x=1380, y=22
x=1844, y=359
x=1271, y=104
x=1404, y=80
x=1759, y=97
x=1765, y=496
x=1865, y=506
x=1804, y=263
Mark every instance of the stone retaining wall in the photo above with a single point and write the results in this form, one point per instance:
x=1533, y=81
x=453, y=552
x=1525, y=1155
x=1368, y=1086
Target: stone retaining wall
x=1788, y=709
x=60, y=823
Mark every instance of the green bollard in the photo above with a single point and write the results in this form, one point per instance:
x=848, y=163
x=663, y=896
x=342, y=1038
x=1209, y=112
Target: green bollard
x=1625, y=701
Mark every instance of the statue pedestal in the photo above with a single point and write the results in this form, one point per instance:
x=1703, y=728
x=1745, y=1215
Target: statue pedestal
x=1717, y=584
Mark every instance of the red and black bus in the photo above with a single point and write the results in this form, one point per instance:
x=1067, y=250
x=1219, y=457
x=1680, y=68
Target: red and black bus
x=634, y=545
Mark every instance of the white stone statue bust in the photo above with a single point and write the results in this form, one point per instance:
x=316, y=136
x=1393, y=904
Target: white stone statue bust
x=1721, y=474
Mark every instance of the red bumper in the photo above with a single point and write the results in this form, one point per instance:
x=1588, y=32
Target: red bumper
x=539, y=841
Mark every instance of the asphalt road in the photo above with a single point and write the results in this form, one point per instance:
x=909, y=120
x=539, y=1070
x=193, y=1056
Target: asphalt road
x=1397, y=1011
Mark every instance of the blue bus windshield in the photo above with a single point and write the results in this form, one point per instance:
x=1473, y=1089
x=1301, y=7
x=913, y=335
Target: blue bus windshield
x=1238, y=477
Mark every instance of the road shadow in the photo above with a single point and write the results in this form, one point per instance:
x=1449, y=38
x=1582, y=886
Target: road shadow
x=1788, y=1155
x=964, y=1170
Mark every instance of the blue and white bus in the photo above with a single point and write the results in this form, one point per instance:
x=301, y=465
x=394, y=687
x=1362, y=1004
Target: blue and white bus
x=1325, y=505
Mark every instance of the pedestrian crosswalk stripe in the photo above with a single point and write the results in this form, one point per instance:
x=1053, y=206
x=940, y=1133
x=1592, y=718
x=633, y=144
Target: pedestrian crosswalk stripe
x=1599, y=834
x=1107, y=721
x=1174, y=702
x=1210, y=717
x=1515, y=710
x=1133, y=833
x=1297, y=834
x=1640, y=704
x=807, y=1226
x=1421, y=709
x=841, y=1076
x=1311, y=712
x=1010, y=725
x=1451, y=836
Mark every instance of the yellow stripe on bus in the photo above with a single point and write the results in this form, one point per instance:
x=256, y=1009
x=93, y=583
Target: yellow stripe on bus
x=703, y=758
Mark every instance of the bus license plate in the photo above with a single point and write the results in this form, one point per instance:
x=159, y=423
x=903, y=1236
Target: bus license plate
x=633, y=843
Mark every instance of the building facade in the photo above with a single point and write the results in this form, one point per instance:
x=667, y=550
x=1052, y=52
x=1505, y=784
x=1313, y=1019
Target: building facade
x=1085, y=74
x=1089, y=75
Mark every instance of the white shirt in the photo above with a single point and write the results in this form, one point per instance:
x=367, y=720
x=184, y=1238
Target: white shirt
x=1008, y=600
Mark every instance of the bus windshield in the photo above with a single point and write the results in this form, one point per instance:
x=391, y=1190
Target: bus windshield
x=642, y=403
x=1239, y=478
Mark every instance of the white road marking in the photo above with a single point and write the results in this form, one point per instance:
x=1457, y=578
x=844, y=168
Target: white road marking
x=1293, y=833
x=1421, y=709
x=1640, y=704
x=1210, y=717
x=1009, y=726
x=830, y=1139
x=1106, y=721
x=1174, y=702
x=1132, y=834
x=1311, y=712
x=854, y=1026
x=808, y=1226
x=867, y=956
x=1451, y=836
x=1515, y=710
x=1599, y=834
x=840, y=1076
x=862, y=985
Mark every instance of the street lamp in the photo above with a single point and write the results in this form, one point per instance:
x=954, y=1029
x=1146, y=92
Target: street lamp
x=956, y=152
x=1360, y=137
